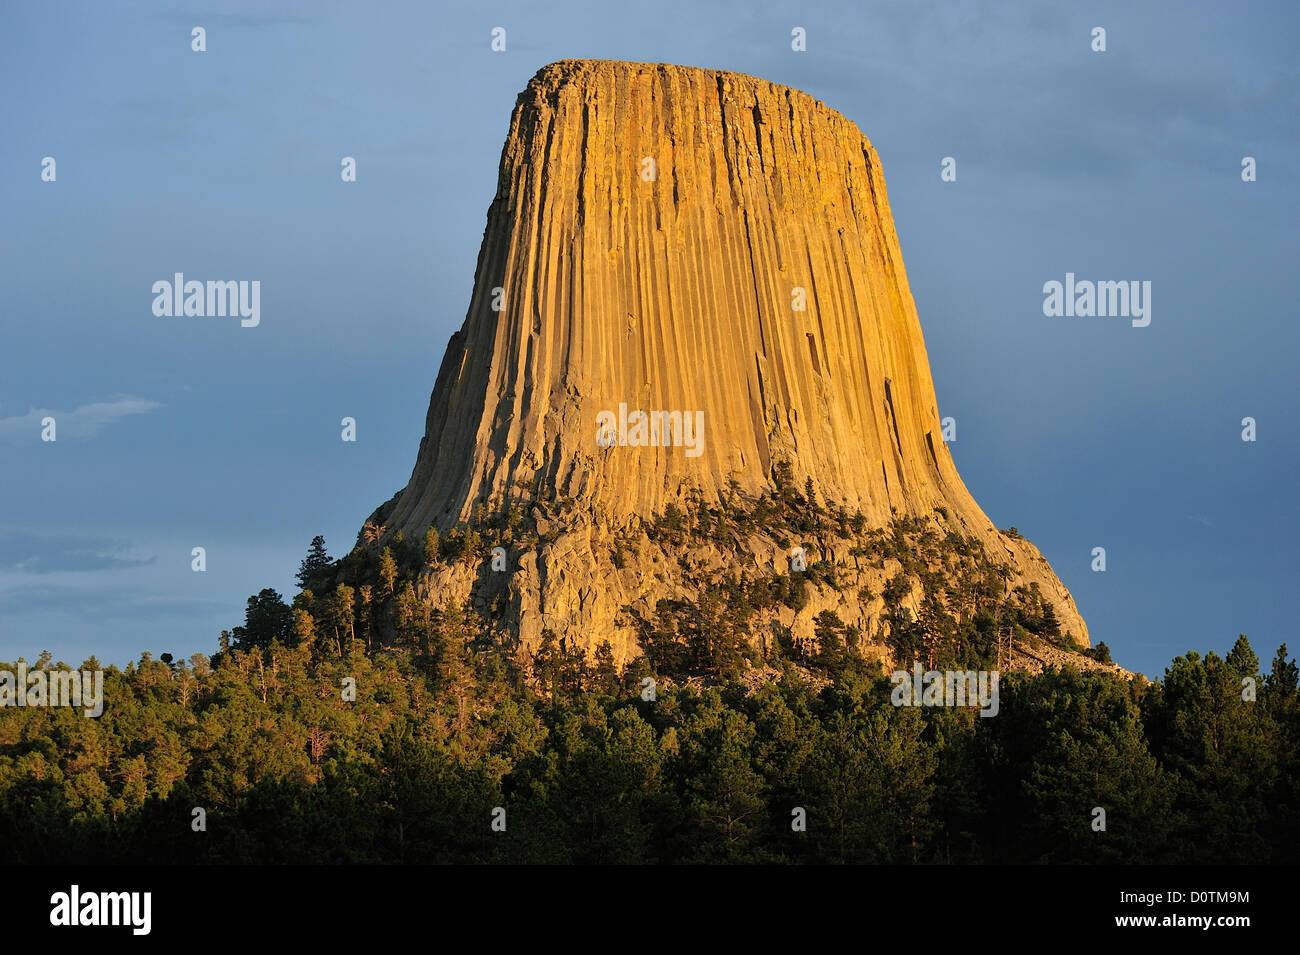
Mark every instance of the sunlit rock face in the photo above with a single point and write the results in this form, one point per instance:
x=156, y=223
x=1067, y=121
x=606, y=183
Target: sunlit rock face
x=687, y=276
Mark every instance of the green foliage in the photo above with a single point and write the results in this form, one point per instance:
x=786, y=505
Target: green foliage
x=315, y=565
x=388, y=570
x=452, y=717
x=409, y=772
x=266, y=618
x=1072, y=743
x=1224, y=748
x=1100, y=653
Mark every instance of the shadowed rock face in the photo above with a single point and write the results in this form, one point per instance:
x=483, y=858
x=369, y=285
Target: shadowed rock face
x=669, y=239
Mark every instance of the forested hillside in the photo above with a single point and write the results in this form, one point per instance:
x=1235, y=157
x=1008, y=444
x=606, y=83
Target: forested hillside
x=286, y=769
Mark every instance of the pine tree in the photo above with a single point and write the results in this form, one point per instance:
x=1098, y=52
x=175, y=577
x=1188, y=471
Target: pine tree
x=783, y=478
x=388, y=570
x=315, y=564
x=811, y=496
x=1285, y=674
x=304, y=628
x=339, y=613
x=606, y=673
x=1051, y=623
x=266, y=618
x=1242, y=658
x=547, y=663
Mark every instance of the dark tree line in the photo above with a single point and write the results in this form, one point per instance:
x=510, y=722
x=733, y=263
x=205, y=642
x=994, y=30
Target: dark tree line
x=287, y=769
x=366, y=721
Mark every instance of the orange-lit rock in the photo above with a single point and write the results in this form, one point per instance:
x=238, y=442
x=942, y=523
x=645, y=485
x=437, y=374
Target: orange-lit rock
x=654, y=230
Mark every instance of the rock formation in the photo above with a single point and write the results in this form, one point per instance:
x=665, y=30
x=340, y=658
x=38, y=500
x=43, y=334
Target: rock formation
x=673, y=239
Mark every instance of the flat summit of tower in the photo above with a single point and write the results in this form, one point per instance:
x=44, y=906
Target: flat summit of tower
x=690, y=292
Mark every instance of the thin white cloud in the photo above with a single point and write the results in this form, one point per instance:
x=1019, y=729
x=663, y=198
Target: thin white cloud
x=47, y=553
x=83, y=422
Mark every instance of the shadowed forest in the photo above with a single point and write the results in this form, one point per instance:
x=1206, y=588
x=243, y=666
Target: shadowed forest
x=370, y=725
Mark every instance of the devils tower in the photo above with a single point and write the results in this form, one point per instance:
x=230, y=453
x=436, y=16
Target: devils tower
x=668, y=239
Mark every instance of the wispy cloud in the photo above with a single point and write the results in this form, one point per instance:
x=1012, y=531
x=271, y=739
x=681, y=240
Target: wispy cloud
x=85, y=421
x=55, y=553
x=104, y=604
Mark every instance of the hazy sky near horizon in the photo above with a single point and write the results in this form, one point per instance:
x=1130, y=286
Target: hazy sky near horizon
x=1081, y=432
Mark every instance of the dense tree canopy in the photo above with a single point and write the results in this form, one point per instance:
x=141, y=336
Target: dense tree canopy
x=370, y=721
x=288, y=769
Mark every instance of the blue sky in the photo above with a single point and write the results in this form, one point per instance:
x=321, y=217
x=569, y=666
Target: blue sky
x=225, y=164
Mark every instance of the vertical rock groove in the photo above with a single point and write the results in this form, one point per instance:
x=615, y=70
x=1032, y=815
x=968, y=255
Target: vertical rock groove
x=654, y=230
